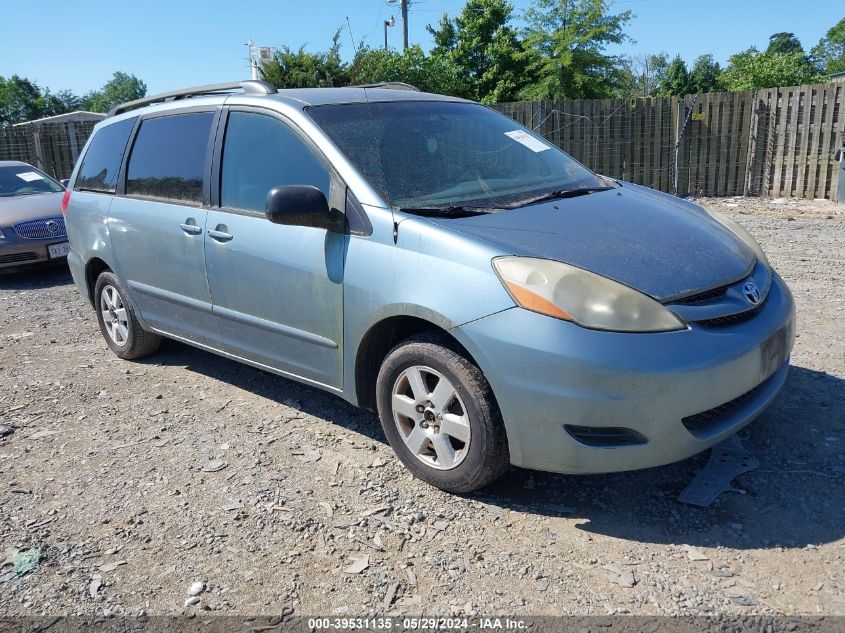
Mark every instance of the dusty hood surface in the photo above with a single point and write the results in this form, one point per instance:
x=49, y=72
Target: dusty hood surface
x=660, y=245
x=15, y=209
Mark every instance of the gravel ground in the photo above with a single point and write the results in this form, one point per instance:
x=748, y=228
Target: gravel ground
x=125, y=483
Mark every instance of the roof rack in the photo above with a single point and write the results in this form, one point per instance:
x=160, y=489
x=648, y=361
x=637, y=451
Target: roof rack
x=390, y=85
x=250, y=87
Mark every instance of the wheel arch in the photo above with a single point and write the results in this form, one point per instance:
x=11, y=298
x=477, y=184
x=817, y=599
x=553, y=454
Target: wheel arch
x=94, y=267
x=382, y=337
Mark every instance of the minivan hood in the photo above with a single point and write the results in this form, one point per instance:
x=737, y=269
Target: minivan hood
x=15, y=209
x=660, y=245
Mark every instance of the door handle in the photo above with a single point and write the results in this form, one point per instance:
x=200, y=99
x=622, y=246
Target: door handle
x=220, y=233
x=190, y=227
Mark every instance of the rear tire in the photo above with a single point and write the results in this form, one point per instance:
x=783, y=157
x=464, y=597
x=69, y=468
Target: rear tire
x=439, y=415
x=119, y=324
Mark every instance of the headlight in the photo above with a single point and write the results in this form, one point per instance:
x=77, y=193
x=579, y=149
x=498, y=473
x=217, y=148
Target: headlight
x=573, y=294
x=742, y=233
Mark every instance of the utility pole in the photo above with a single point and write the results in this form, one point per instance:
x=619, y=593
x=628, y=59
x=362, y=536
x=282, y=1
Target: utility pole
x=253, y=64
x=404, y=24
x=258, y=56
x=404, y=4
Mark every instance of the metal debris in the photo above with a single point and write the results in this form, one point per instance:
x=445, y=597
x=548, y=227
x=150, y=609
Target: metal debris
x=728, y=460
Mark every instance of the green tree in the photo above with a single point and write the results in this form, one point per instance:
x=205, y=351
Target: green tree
x=20, y=100
x=412, y=66
x=750, y=70
x=301, y=69
x=60, y=102
x=829, y=54
x=485, y=50
x=445, y=36
x=785, y=43
x=704, y=75
x=640, y=75
x=676, y=81
x=568, y=39
x=122, y=87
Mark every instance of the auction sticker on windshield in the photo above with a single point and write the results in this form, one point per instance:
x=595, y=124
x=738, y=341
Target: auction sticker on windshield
x=29, y=176
x=523, y=137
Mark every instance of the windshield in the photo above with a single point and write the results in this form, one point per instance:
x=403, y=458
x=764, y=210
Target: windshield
x=440, y=154
x=22, y=180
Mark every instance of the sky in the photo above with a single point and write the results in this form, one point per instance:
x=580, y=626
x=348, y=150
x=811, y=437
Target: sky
x=178, y=43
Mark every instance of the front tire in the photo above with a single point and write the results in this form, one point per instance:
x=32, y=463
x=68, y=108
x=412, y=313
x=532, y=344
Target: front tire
x=439, y=415
x=119, y=324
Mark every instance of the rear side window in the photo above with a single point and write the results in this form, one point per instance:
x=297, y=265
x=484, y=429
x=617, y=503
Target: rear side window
x=101, y=162
x=261, y=152
x=168, y=157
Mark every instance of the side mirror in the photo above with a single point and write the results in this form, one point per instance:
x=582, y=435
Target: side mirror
x=299, y=205
x=65, y=182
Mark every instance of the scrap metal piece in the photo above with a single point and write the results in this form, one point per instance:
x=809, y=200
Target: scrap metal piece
x=728, y=460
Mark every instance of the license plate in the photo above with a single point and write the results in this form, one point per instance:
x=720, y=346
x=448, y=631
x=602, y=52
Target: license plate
x=58, y=250
x=773, y=352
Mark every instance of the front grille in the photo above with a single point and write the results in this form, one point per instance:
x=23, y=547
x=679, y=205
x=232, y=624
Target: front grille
x=702, y=424
x=702, y=297
x=42, y=229
x=605, y=435
x=17, y=257
x=730, y=319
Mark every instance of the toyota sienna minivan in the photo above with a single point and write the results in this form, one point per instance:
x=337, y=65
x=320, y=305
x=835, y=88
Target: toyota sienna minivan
x=428, y=258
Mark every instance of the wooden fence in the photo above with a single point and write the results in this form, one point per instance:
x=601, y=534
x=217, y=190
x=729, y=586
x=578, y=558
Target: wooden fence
x=773, y=142
x=53, y=147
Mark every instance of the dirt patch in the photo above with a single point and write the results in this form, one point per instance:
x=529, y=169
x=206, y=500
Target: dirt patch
x=190, y=482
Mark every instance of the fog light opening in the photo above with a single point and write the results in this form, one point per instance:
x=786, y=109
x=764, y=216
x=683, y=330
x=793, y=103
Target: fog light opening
x=605, y=436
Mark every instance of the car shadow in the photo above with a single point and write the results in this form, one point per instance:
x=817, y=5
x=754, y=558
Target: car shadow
x=794, y=499
x=36, y=276
x=309, y=400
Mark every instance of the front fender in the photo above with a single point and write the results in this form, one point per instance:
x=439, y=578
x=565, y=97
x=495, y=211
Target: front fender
x=430, y=273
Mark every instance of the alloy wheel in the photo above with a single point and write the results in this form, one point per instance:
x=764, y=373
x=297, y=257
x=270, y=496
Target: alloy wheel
x=114, y=315
x=431, y=417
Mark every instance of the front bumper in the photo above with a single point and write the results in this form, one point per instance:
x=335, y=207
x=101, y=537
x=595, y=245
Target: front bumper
x=549, y=374
x=16, y=252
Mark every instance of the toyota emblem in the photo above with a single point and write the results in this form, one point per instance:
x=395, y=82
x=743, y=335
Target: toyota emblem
x=751, y=293
x=52, y=227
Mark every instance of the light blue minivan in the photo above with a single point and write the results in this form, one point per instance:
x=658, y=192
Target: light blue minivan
x=430, y=259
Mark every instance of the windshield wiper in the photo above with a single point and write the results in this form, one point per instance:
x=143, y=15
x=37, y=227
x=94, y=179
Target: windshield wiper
x=452, y=210
x=560, y=194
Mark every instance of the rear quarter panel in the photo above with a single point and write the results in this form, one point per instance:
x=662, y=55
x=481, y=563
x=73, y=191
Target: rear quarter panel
x=87, y=228
x=88, y=234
